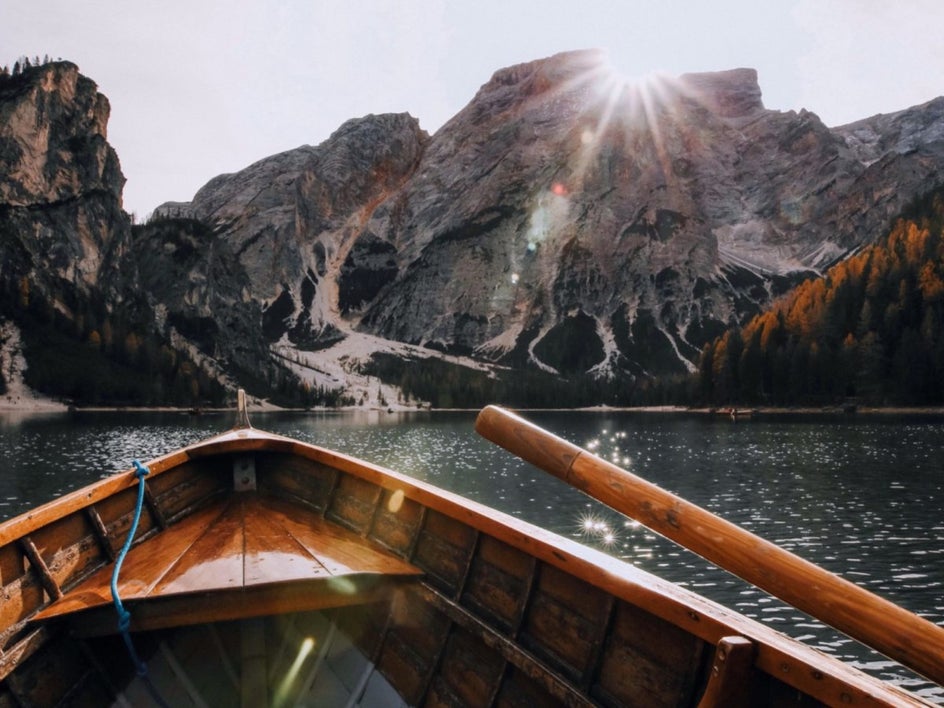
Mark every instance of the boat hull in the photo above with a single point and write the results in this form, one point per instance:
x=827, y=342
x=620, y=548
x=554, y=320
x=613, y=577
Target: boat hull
x=477, y=608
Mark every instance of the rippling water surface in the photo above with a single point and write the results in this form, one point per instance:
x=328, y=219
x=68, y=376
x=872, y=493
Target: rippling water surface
x=862, y=497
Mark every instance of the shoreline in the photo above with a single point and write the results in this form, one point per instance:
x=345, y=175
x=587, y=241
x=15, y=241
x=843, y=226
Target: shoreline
x=32, y=405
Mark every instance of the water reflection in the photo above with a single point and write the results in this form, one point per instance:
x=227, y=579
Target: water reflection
x=863, y=499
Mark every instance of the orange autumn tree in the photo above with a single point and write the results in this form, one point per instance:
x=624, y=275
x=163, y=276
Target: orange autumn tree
x=870, y=328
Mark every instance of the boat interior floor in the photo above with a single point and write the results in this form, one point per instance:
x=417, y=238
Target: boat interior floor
x=245, y=555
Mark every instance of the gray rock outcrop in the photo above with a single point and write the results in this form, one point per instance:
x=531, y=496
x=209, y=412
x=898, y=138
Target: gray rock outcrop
x=61, y=220
x=662, y=213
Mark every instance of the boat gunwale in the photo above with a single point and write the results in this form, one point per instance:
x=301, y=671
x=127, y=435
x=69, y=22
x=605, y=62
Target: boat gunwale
x=778, y=655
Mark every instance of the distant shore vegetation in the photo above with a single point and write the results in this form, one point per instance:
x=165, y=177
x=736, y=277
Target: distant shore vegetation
x=871, y=330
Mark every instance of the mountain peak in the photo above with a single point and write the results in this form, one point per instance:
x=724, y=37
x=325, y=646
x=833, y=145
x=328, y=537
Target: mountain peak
x=555, y=68
x=732, y=94
x=53, y=128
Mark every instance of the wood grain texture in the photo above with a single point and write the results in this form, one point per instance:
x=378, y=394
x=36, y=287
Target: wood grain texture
x=886, y=627
x=240, y=542
x=730, y=675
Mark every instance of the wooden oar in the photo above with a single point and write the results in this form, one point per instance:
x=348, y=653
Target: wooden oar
x=878, y=623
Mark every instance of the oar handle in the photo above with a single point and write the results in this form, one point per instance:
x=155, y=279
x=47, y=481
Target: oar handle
x=872, y=620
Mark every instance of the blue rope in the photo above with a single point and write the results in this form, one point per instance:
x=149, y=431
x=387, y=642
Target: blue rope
x=124, y=617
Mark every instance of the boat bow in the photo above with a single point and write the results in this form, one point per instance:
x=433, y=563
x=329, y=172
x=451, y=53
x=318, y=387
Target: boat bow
x=242, y=556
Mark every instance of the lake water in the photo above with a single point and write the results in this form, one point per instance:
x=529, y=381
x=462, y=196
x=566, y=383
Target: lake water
x=863, y=497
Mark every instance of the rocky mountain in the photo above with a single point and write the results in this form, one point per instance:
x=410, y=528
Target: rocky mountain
x=72, y=314
x=564, y=221
x=569, y=221
x=62, y=228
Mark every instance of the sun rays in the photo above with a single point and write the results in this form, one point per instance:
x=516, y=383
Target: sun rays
x=629, y=111
x=614, y=117
x=591, y=129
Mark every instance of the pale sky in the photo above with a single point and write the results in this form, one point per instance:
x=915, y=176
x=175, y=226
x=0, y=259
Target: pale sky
x=202, y=87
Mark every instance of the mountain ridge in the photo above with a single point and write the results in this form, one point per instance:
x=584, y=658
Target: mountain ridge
x=563, y=222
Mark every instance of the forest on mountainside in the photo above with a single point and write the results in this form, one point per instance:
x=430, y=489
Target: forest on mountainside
x=868, y=331
x=99, y=358
x=442, y=384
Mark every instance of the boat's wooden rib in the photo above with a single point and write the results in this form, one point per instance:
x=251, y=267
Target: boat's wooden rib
x=730, y=672
x=346, y=582
x=101, y=533
x=153, y=508
x=40, y=568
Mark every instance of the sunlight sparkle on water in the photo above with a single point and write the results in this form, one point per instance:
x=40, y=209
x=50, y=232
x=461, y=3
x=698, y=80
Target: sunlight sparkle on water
x=607, y=447
x=593, y=527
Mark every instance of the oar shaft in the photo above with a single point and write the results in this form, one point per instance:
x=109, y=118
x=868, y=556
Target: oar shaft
x=872, y=620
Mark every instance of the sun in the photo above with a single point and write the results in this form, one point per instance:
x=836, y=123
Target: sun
x=615, y=74
x=620, y=103
x=618, y=120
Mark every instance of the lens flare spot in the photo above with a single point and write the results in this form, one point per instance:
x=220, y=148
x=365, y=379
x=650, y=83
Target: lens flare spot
x=395, y=501
x=307, y=645
x=341, y=585
x=287, y=685
x=559, y=189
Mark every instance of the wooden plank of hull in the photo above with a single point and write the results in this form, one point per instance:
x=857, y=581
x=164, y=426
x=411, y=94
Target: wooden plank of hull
x=242, y=543
x=81, y=498
x=23, y=650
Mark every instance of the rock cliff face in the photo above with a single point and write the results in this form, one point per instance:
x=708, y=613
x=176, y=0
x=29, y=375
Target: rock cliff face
x=564, y=220
x=61, y=222
x=564, y=211
x=75, y=299
x=282, y=230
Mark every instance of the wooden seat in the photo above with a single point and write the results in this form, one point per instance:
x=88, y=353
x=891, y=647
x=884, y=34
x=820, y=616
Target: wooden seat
x=246, y=555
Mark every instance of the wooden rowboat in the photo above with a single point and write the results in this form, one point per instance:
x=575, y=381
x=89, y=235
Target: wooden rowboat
x=266, y=571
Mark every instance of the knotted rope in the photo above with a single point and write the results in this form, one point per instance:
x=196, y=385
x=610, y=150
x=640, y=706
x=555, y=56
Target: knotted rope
x=124, y=617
